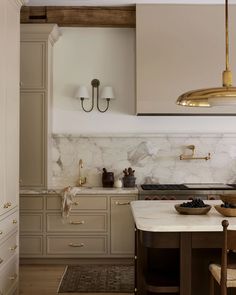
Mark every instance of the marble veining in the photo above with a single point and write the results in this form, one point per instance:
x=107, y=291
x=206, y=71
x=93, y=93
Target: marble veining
x=154, y=157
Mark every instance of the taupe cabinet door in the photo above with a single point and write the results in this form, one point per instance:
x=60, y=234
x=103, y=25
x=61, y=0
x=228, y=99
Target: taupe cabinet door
x=122, y=226
x=32, y=134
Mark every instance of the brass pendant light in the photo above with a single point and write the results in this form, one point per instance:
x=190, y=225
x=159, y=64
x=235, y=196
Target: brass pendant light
x=219, y=96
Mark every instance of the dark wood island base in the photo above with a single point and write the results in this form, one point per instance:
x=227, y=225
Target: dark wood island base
x=176, y=262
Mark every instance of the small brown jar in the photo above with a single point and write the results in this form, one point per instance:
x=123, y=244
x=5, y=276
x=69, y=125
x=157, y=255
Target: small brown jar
x=107, y=178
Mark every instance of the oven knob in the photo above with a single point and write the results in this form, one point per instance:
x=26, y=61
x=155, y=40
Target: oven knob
x=164, y=198
x=156, y=198
x=172, y=198
x=212, y=198
x=191, y=198
x=147, y=198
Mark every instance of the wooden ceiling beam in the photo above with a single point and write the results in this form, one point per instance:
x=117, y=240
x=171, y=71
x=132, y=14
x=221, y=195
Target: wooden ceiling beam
x=76, y=16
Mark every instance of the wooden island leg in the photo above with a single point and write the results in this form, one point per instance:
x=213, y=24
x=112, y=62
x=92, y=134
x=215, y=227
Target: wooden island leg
x=185, y=263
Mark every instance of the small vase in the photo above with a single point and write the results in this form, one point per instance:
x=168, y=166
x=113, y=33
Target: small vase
x=129, y=181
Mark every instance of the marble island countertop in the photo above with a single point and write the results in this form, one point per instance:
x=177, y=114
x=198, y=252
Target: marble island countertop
x=83, y=191
x=161, y=216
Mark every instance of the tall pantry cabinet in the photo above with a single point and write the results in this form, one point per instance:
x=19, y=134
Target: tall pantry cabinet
x=9, y=143
x=37, y=42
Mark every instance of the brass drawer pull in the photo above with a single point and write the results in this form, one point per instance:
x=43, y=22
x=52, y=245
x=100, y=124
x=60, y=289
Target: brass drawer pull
x=12, y=278
x=14, y=221
x=77, y=222
x=1, y=260
x=122, y=203
x=76, y=245
x=13, y=248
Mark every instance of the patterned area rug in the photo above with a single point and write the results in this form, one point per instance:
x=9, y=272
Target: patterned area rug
x=99, y=278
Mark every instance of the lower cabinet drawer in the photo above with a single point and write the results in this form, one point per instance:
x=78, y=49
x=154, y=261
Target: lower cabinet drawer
x=9, y=278
x=8, y=224
x=76, y=245
x=77, y=223
x=8, y=249
x=31, y=246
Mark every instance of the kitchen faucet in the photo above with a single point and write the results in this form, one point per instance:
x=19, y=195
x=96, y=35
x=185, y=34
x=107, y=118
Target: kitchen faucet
x=82, y=179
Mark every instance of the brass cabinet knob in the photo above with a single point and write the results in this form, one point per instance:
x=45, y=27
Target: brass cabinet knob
x=13, y=248
x=14, y=221
x=13, y=277
x=1, y=232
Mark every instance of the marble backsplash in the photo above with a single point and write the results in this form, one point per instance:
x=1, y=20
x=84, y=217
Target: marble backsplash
x=154, y=157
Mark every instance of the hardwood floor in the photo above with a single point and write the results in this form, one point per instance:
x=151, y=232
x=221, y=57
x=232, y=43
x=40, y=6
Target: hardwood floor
x=43, y=280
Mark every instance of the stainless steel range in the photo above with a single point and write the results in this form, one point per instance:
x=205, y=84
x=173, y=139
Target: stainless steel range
x=186, y=191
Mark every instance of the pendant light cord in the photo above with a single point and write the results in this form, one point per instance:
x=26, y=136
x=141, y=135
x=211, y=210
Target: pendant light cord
x=227, y=35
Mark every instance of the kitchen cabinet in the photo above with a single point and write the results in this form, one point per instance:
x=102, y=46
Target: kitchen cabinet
x=37, y=42
x=9, y=143
x=122, y=226
x=98, y=226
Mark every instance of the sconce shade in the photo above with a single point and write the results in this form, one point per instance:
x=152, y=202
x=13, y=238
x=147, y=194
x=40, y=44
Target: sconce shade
x=107, y=92
x=82, y=91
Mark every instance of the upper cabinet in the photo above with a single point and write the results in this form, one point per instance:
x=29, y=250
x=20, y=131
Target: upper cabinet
x=180, y=48
x=37, y=42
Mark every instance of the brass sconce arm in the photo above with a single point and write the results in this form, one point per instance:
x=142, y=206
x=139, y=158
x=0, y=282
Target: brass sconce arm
x=82, y=104
x=191, y=156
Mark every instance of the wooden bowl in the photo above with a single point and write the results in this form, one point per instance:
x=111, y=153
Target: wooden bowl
x=192, y=211
x=231, y=199
x=229, y=212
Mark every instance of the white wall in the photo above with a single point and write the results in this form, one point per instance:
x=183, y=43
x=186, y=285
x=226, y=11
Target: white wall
x=83, y=54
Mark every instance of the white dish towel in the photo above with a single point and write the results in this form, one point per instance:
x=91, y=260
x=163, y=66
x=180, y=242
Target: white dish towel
x=68, y=195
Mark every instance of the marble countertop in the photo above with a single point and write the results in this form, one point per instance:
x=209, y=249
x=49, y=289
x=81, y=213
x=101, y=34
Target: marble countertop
x=85, y=191
x=161, y=216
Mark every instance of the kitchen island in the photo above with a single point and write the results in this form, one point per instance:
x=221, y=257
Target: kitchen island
x=173, y=251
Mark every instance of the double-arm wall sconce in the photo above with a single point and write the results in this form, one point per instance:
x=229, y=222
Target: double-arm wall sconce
x=106, y=93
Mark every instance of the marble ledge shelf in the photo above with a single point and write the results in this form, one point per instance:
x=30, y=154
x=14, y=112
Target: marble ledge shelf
x=84, y=191
x=149, y=135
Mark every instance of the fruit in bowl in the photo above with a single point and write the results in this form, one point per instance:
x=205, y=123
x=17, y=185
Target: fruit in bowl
x=195, y=207
x=228, y=199
x=196, y=203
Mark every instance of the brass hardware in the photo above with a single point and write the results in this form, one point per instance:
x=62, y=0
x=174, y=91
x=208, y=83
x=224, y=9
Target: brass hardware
x=76, y=245
x=12, y=278
x=135, y=257
x=5, y=206
x=13, y=248
x=1, y=260
x=14, y=221
x=82, y=180
x=9, y=204
x=1, y=232
x=77, y=222
x=122, y=203
x=191, y=156
x=135, y=290
x=218, y=96
x=75, y=203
